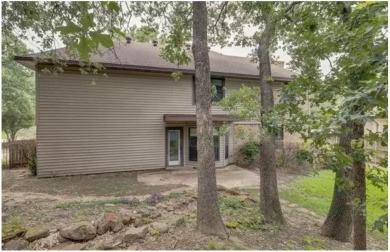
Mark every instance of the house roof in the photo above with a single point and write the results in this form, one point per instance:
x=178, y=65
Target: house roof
x=145, y=56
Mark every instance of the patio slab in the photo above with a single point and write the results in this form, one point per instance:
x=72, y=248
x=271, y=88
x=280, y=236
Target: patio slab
x=229, y=177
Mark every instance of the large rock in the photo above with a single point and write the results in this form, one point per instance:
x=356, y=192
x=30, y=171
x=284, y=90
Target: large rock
x=132, y=247
x=127, y=216
x=180, y=222
x=72, y=246
x=17, y=244
x=105, y=243
x=47, y=242
x=82, y=231
x=102, y=225
x=116, y=223
x=134, y=234
x=138, y=223
x=11, y=231
x=109, y=221
x=35, y=233
x=160, y=227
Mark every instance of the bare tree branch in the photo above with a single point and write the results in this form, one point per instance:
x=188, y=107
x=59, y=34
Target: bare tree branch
x=290, y=8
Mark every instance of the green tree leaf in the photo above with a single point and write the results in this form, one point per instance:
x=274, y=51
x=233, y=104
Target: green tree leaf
x=70, y=28
x=106, y=40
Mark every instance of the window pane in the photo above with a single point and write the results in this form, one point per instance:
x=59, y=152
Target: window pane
x=193, y=132
x=216, y=148
x=174, y=138
x=218, y=84
x=226, y=146
x=193, y=152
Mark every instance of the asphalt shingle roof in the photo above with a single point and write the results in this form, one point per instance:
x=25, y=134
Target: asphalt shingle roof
x=146, y=56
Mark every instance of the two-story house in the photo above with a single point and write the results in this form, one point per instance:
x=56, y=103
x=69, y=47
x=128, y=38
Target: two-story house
x=135, y=118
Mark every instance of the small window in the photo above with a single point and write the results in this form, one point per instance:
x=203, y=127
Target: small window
x=217, y=84
x=193, y=155
x=226, y=146
x=216, y=144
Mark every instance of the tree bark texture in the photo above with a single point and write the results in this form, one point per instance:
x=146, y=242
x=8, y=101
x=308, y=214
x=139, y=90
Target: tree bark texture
x=338, y=223
x=209, y=220
x=359, y=195
x=269, y=197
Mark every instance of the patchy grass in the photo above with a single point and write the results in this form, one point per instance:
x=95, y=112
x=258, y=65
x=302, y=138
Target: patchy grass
x=313, y=243
x=90, y=203
x=109, y=185
x=240, y=213
x=315, y=193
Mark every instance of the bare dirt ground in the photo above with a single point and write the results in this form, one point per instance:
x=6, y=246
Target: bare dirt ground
x=57, y=202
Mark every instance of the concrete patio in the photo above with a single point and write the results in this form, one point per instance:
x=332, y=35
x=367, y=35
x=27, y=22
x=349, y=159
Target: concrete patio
x=229, y=177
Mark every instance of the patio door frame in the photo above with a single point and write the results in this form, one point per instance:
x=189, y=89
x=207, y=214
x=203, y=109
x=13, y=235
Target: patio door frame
x=181, y=156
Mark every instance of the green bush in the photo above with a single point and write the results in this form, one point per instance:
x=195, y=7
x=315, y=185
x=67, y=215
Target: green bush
x=32, y=165
x=250, y=151
x=29, y=152
x=293, y=157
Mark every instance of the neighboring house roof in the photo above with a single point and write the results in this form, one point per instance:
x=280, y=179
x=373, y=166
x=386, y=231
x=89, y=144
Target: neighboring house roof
x=145, y=56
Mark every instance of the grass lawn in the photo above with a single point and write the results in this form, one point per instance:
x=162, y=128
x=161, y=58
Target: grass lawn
x=315, y=193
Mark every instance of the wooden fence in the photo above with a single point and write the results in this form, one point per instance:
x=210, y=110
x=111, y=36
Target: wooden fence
x=18, y=152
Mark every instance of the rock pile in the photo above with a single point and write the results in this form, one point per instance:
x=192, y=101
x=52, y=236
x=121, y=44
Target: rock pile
x=108, y=231
x=19, y=240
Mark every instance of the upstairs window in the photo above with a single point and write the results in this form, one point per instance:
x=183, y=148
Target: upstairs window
x=217, y=85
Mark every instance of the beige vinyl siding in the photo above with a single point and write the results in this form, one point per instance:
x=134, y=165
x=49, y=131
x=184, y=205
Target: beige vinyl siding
x=115, y=125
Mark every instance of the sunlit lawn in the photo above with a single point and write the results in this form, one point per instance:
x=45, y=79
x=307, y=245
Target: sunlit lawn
x=315, y=193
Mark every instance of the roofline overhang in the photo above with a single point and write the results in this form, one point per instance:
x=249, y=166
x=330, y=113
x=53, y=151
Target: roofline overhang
x=182, y=118
x=111, y=66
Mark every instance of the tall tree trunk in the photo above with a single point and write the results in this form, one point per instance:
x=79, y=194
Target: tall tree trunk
x=209, y=220
x=338, y=223
x=269, y=197
x=359, y=195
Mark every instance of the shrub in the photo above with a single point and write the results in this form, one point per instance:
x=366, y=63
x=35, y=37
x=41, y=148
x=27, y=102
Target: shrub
x=4, y=164
x=250, y=151
x=292, y=156
x=32, y=165
x=29, y=152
